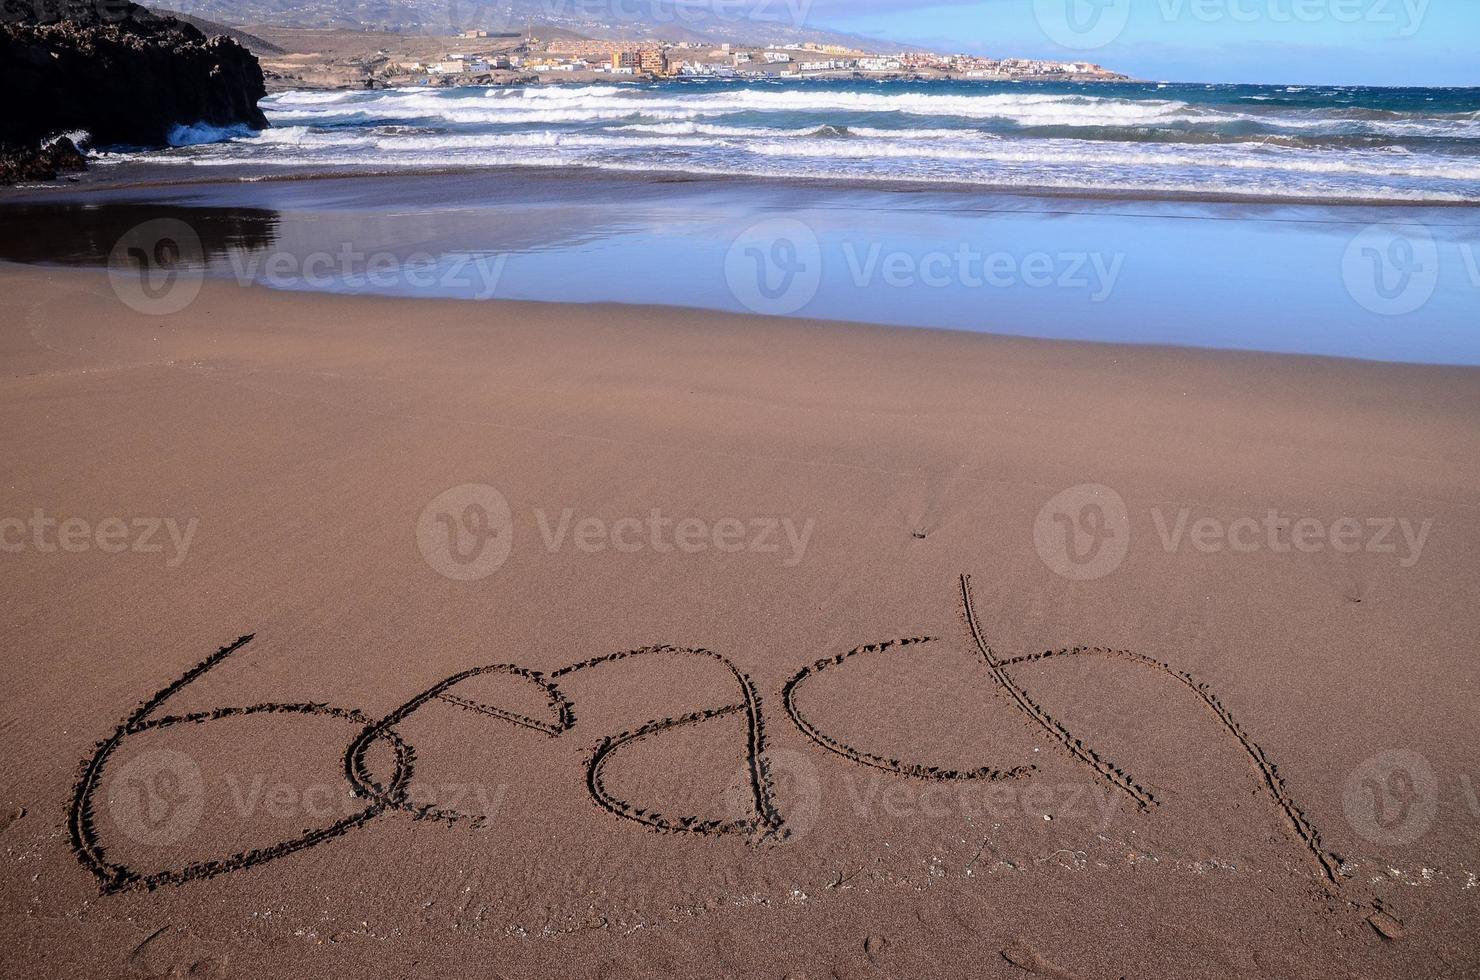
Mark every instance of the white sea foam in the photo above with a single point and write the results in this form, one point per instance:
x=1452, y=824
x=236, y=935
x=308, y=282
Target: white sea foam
x=1064, y=152
x=200, y=133
x=558, y=105
x=1100, y=140
x=706, y=129
x=79, y=137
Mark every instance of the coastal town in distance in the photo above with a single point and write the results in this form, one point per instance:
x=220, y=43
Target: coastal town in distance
x=330, y=58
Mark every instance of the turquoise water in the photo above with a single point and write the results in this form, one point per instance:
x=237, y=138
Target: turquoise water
x=1228, y=141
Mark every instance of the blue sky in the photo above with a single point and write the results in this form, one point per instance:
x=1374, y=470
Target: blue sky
x=1368, y=42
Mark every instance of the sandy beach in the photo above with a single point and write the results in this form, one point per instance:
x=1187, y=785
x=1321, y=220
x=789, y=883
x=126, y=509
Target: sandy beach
x=371, y=636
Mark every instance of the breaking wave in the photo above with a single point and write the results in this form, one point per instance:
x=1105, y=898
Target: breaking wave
x=1242, y=140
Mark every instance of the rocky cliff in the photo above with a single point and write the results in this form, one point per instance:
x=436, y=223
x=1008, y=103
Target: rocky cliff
x=117, y=71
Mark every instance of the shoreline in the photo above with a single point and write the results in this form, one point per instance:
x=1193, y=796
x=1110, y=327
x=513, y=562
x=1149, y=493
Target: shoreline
x=1103, y=270
x=1249, y=359
x=169, y=175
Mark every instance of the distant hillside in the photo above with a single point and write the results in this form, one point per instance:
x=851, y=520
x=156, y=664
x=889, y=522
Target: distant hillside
x=211, y=28
x=658, y=20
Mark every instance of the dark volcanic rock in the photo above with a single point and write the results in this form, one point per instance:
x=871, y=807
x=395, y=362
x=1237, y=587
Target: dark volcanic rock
x=121, y=73
x=43, y=162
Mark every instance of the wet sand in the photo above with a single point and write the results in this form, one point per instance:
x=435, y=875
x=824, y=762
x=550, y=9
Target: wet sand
x=1297, y=279
x=744, y=679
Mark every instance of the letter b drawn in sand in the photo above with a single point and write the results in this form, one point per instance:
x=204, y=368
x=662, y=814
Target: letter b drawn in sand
x=1083, y=533
x=163, y=791
x=157, y=267
x=775, y=267
x=467, y=532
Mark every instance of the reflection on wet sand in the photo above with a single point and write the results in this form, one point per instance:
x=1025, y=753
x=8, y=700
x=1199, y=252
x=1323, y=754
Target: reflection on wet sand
x=1286, y=279
x=86, y=235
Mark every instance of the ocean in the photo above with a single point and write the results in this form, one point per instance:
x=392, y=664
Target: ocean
x=1234, y=141
x=1326, y=221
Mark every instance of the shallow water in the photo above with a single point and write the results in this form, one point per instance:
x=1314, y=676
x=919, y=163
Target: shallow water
x=1384, y=283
